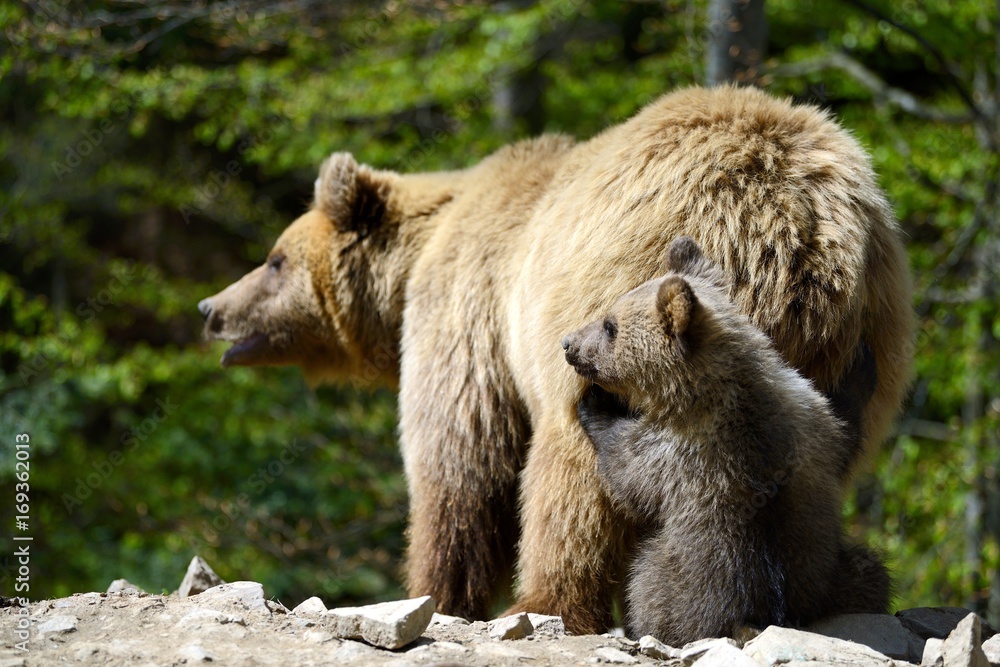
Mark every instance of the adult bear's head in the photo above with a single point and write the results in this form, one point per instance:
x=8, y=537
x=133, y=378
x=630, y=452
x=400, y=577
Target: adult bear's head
x=329, y=296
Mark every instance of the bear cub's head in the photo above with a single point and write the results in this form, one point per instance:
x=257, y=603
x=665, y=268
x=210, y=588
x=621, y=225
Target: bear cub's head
x=663, y=340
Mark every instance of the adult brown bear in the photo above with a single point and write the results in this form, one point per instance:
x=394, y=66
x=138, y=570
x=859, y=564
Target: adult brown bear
x=460, y=285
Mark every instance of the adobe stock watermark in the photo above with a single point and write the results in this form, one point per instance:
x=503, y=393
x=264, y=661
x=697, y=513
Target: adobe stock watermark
x=211, y=192
x=121, y=277
x=101, y=470
x=377, y=366
x=480, y=96
x=365, y=35
x=230, y=512
x=75, y=152
x=766, y=491
x=23, y=538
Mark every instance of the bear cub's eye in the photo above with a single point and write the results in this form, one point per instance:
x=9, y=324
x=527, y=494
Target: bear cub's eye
x=275, y=261
x=610, y=329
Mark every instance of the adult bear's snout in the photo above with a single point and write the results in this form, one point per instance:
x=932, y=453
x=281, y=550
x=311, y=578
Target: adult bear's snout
x=205, y=307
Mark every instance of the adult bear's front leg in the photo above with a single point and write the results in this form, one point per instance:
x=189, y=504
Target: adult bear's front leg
x=572, y=543
x=463, y=443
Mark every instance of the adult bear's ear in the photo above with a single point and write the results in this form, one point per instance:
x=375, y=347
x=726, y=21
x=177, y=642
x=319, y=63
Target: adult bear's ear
x=352, y=196
x=675, y=303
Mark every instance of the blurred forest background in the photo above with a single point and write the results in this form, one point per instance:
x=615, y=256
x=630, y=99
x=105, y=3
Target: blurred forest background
x=152, y=150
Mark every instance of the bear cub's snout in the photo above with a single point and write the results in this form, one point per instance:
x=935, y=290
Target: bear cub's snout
x=577, y=357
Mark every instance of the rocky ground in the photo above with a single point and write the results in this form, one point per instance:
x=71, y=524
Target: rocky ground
x=236, y=623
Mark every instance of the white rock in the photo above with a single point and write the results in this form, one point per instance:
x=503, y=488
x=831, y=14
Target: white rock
x=615, y=656
x=194, y=653
x=317, y=636
x=991, y=647
x=694, y=650
x=547, y=625
x=933, y=656
x=654, y=648
x=881, y=632
x=778, y=645
x=451, y=646
x=57, y=625
x=725, y=655
x=349, y=651
x=916, y=651
x=199, y=578
x=444, y=619
x=516, y=626
x=276, y=607
x=311, y=607
x=123, y=586
x=199, y=618
x=246, y=594
x=963, y=647
x=388, y=625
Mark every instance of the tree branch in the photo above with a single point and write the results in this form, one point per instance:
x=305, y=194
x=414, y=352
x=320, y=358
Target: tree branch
x=949, y=69
x=921, y=428
x=883, y=92
x=951, y=189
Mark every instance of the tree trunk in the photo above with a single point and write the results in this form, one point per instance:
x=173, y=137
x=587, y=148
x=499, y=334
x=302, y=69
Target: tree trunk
x=975, y=502
x=518, y=101
x=737, y=40
x=518, y=94
x=983, y=396
x=991, y=290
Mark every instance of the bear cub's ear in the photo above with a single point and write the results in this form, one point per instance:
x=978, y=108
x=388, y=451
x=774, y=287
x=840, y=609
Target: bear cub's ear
x=684, y=255
x=675, y=302
x=352, y=196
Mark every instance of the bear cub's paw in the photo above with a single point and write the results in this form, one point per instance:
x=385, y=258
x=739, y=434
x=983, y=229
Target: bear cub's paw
x=605, y=417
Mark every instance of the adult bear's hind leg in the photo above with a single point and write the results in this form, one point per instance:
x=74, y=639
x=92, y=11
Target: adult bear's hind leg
x=572, y=545
x=463, y=444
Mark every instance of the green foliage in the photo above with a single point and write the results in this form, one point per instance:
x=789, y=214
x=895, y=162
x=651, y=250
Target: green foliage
x=151, y=152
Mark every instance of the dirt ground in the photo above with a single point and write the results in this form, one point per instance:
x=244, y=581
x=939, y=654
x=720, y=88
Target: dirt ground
x=141, y=629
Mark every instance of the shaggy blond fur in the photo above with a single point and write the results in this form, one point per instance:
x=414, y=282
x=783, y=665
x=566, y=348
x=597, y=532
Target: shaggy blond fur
x=731, y=458
x=461, y=284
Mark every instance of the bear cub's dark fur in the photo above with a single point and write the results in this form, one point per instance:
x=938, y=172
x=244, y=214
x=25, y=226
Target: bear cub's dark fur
x=729, y=459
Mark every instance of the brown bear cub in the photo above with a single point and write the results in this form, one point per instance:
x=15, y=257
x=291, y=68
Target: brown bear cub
x=730, y=458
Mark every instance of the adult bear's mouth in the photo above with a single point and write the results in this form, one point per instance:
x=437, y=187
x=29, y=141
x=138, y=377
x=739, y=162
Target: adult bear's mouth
x=246, y=351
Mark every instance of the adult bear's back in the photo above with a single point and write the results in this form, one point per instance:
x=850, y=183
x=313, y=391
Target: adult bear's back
x=780, y=196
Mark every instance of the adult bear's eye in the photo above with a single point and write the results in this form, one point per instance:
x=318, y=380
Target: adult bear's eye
x=610, y=329
x=274, y=262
